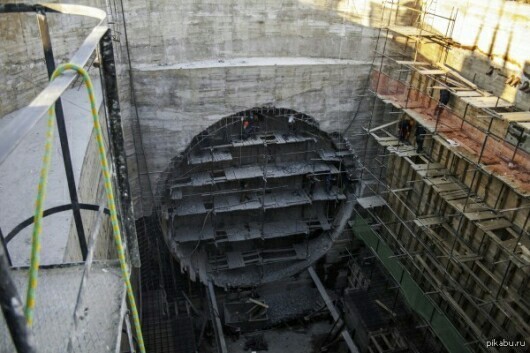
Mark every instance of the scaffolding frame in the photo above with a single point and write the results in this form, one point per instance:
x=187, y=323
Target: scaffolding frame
x=374, y=175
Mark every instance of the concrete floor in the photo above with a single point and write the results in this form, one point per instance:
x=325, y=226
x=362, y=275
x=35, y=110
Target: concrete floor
x=285, y=340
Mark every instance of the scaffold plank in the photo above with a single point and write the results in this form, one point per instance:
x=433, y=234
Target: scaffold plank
x=467, y=94
x=428, y=221
x=493, y=224
x=371, y=202
x=516, y=116
x=408, y=31
x=432, y=72
x=487, y=102
x=417, y=63
x=482, y=215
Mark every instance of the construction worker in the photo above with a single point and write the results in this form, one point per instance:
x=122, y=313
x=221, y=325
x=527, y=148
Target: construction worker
x=312, y=180
x=248, y=126
x=245, y=195
x=330, y=180
x=404, y=129
x=291, y=121
x=445, y=96
x=420, y=138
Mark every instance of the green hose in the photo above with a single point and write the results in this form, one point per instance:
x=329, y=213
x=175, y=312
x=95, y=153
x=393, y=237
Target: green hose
x=41, y=195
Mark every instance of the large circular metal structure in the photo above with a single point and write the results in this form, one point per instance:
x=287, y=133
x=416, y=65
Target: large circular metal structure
x=257, y=197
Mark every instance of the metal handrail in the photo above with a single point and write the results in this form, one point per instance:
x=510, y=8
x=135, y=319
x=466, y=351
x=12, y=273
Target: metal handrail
x=15, y=130
x=49, y=212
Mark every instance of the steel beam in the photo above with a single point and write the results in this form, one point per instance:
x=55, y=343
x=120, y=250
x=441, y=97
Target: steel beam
x=217, y=321
x=4, y=246
x=115, y=129
x=12, y=309
x=333, y=311
x=16, y=8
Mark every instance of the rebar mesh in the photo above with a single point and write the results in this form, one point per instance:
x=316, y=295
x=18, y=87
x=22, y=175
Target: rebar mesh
x=167, y=320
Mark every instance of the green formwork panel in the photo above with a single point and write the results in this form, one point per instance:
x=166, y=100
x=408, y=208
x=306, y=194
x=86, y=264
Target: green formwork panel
x=417, y=300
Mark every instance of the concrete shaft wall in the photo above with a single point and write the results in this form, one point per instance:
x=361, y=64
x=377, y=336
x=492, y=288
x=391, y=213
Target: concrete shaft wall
x=168, y=32
x=22, y=67
x=177, y=104
x=194, y=62
x=487, y=34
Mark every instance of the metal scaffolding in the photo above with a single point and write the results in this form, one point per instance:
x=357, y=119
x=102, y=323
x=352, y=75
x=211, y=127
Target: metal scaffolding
x=447, y=215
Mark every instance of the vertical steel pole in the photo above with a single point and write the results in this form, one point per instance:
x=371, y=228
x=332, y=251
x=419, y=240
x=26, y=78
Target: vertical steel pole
x=4, y=245
x=12, y=308
x=61, y=127
x=112, y=103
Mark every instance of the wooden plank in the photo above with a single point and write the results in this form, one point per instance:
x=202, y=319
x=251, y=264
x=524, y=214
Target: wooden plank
x=420, y=118
x=483, y=215
x=386, y=141
x=493, y=224
x=454, y=195
x=371, y=201
x=516, y=116
x=487, y=102
x=432, y=172
x=418, y=63
x=427, y=166
x=456, y=90
x=428, y=221
x=458, y=76
x=432, y=72
x=389, y=143
x=257, y=302
x=403, y=150
x=446, y=187
x=408, y=31
x=467, y=94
